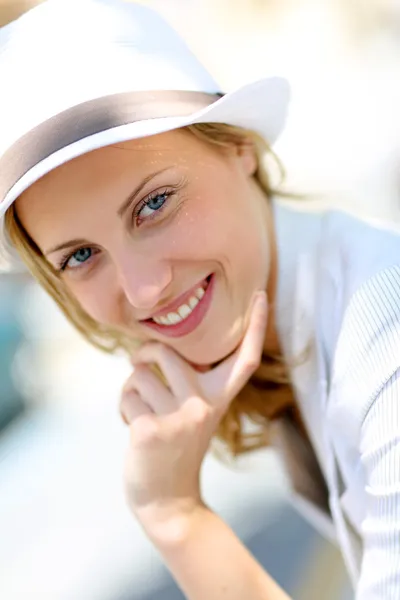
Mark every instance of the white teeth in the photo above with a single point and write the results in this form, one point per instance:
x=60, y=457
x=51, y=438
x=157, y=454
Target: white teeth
x=183, y=311
x=160, y=320
x=193, y=302
x=173, y=318
x=200, y=293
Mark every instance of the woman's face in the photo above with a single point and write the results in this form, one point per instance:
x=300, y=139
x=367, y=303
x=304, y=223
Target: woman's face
x=164, y=237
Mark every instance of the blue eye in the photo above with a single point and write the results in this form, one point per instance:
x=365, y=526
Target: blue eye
x=78, y=258
x=153, y=204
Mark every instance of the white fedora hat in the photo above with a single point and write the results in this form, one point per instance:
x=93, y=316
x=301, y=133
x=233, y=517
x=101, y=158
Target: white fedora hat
x=77, y=75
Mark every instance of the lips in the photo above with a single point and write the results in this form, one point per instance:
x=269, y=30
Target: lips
x=186, y=313
x=184, y=310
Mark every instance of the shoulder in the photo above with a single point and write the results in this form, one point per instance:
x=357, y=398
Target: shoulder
x=350, y=290
x=363, y=247
x=350, y=248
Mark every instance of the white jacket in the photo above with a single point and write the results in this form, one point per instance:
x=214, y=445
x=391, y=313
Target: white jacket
x=338, y=315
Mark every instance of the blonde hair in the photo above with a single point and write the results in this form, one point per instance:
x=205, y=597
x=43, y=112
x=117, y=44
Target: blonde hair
x=267, y=395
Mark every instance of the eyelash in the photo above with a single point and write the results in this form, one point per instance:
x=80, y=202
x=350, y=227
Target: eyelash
x=168, y=193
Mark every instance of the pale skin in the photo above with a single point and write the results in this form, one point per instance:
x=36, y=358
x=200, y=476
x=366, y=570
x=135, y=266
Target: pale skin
x=198, y=216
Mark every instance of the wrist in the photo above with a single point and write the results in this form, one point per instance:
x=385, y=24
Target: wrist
x=169, y=525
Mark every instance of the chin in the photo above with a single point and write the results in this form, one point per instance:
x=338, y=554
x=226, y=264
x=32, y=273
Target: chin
x=209, y=353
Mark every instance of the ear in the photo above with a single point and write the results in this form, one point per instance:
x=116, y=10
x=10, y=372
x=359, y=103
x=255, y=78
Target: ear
x=247, y=155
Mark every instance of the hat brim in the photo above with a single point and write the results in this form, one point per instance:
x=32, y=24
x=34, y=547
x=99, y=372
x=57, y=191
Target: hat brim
x=260, y=107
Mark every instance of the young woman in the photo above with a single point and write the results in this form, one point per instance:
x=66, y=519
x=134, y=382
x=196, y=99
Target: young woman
x=138, y=195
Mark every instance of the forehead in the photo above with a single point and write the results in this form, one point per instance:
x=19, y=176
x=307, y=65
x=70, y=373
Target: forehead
x=139, y=157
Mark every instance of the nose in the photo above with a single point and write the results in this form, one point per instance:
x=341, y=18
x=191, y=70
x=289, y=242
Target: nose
x=144, y=281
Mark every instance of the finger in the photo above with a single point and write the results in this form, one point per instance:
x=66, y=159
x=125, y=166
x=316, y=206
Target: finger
x=226, y=380
x=152, y=390
x=180, y=377
x=250, y=351
x=132, y=406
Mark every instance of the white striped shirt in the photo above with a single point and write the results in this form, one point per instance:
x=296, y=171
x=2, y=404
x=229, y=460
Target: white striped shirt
x=349, y=390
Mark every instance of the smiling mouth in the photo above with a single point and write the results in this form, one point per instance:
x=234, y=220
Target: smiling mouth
x=186, y=316
x=185, y=310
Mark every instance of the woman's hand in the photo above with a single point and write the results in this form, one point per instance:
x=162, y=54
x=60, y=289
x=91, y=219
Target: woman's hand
x=172, y=425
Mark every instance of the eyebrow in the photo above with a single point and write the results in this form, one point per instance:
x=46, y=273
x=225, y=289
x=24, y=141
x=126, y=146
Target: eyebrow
x=121, y=211
x=66, y=245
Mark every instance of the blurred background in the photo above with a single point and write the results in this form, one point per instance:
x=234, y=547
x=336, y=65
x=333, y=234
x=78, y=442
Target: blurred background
x=65, y=532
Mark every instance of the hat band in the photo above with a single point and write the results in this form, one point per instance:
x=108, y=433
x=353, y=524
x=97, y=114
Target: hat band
x=89, y=118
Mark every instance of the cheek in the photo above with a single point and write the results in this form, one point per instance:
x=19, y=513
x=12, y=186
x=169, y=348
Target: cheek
x=194, y=236
x=106, y=304
x=202, y=228
x=99, y=297
x=218, y=227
